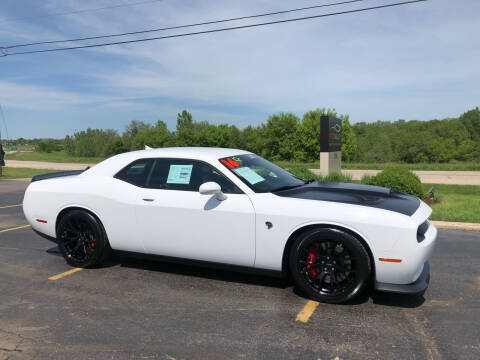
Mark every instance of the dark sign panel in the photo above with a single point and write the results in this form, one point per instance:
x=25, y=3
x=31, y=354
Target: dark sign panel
x=330, y=134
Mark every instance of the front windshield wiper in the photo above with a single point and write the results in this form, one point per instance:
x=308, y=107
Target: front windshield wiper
x=286, y=187
x=308, y=181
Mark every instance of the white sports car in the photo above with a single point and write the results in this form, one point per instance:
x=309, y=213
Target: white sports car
x=231, y=207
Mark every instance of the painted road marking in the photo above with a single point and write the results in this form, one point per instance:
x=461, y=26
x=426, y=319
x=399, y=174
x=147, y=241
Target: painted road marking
x=10, y=206
x=307, y=311
x=15, y=228
x=66, y=273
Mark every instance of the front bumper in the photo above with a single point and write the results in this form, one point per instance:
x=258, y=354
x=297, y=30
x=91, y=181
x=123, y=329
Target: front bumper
x=417, y=287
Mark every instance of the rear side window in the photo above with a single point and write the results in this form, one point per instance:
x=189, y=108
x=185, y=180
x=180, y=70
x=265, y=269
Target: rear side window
x=136, y=173
x=186, y=175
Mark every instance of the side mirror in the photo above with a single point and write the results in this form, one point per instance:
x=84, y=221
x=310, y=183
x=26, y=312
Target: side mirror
x=212, y=188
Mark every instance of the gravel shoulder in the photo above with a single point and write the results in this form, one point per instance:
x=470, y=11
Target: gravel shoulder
x=426, y=176
x=45, y=165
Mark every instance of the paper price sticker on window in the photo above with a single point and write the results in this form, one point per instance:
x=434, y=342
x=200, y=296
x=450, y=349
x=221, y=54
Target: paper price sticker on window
x=248, y=174
x=179, y=174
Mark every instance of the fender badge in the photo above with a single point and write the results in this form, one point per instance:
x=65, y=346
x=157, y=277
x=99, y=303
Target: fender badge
x=269, y=224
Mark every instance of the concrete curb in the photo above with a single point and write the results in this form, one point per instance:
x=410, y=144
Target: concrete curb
x=447, y=225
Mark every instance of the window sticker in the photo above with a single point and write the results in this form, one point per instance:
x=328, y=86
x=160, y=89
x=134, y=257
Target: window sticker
x=230, y=162
x=179, y=174
x=237, y=159
x=248, y=174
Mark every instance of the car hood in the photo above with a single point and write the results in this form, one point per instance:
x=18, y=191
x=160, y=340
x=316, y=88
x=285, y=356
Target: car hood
x=356, y=194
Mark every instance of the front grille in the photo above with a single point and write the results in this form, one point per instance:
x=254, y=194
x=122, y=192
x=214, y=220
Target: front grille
x=422, y=229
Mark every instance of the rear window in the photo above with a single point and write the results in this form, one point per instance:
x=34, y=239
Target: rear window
x=136, y=173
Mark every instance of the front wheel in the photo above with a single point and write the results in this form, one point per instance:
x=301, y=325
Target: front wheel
x=82, y=239
x=329, y=265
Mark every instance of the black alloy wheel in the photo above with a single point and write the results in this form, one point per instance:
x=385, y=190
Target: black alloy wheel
x=329, y=265
x=82, y=239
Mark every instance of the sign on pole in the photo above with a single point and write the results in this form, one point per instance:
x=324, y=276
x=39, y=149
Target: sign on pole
x=330, y=145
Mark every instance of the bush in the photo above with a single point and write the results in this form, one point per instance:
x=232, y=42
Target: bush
x=93, y=143
x=47, y=146
x=338, y=177
x=301, y=172
x=397, y=178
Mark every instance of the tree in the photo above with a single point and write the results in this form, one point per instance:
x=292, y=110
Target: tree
x=47, y=146
x=278, y=135
x=132, y=130
x=349, y=141
x=185, y=134
x=91, y=143
x=116, y=146
x=156, y=137
x=308, y=134
x=251, y=139
x=471, y=121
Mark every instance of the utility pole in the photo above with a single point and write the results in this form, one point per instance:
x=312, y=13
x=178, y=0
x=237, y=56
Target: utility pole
x=2, y=153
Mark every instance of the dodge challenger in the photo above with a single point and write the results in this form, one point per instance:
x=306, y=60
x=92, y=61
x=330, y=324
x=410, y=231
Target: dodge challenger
x=234, y=209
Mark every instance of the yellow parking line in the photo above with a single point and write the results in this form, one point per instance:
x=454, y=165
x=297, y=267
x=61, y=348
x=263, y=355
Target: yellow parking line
x=10, y=206
x=15, y=228
x=66, y=273
x=307, y=311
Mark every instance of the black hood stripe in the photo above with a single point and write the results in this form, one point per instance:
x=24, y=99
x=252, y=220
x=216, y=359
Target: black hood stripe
x=356, y=194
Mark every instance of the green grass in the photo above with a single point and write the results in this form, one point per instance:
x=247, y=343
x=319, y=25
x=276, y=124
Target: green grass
x=56, y=156
x=459, y=203
x=459, y=166
x=21, y=173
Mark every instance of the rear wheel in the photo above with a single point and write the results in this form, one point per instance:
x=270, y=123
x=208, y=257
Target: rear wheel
x=329, y=265
x=82, y=239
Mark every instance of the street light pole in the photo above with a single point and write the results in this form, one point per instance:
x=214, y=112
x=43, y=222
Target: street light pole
x=2, y=156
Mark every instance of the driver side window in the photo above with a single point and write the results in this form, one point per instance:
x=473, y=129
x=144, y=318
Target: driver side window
x=186, y=175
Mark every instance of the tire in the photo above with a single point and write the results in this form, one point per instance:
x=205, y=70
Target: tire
x=322, y=254
x=82, y=239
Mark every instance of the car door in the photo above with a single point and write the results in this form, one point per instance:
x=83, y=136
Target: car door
x=174, y=219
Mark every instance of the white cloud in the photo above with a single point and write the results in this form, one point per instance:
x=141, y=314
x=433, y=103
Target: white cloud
x=416, y=61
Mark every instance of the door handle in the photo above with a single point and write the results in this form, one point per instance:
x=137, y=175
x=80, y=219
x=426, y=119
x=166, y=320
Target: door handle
x=149, y=200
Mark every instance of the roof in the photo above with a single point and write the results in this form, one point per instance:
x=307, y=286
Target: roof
x=117, y=162
x=193, y=152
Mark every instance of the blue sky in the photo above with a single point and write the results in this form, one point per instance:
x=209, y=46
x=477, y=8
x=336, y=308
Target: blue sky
x=413, y=62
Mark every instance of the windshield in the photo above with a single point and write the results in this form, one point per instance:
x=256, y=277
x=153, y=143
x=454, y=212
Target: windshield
x=259, y=174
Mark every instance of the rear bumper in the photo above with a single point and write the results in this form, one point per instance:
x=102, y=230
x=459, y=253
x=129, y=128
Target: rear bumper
x=417, y=287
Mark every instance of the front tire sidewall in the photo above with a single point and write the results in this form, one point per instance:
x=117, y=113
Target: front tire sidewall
x=102, y=246
x=355, y=247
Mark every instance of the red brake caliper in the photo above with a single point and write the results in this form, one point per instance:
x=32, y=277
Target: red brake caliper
x=93, y=243
x=311, y=258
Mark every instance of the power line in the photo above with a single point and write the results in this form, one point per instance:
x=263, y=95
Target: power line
x=215, y=30
x=185, y=26
x=80, y=11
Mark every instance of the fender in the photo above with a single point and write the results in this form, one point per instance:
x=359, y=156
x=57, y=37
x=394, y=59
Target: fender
x=76, y=206
x=310, y=224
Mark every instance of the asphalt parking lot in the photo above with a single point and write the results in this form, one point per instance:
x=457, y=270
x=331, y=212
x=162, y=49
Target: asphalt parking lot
x=135, y=309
